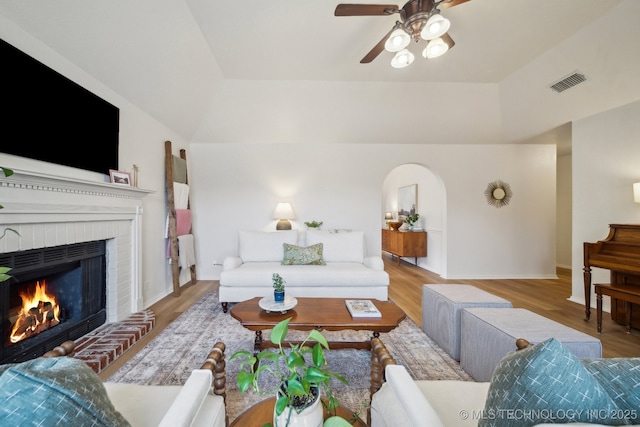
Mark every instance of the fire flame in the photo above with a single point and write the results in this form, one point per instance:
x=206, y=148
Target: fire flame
x=39, y=312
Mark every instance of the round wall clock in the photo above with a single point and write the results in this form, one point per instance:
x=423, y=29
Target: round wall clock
x=498, y=193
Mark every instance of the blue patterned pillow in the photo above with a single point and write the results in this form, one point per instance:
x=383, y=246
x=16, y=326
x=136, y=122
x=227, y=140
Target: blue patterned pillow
x=620, y=377
x=55, y=391
x=297, y=255
x=545, y=383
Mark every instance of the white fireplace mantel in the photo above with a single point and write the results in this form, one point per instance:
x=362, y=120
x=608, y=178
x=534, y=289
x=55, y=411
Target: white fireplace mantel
x=49, y=210
x=30, y=180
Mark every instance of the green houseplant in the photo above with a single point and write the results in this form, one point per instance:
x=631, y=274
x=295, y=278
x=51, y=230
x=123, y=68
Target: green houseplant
x=313, y=224
x=299, y=381
x=4, y=270
x=278, y=287
x=411, y=220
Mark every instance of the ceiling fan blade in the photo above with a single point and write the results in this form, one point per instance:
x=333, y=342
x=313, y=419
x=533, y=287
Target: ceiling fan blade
x=346, y=9
x=448, y=40
x=450, y=3
x=373, y=53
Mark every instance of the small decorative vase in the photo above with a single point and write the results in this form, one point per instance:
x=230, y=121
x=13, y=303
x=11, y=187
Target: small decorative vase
x=311, y=416
x=278, y=296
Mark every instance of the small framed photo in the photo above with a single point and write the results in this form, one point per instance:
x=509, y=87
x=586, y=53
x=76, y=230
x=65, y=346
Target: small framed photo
x=119, y=177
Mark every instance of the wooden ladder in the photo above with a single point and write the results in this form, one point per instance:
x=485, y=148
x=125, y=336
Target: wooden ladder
x=173, y=233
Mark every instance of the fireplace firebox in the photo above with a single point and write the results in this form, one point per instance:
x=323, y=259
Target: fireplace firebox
x=55, y=294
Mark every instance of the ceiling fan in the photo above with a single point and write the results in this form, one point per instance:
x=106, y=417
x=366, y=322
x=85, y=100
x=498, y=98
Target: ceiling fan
x=419, y=19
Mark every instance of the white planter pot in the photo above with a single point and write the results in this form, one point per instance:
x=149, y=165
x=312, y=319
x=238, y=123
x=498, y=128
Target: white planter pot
x=311, y=416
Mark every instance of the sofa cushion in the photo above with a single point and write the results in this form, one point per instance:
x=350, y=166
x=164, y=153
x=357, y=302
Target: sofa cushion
x=264, y=246
x=544, y=383
x=339, y=247
x=620, y=377
x=335, y=274
x=55, y=391
x=297, y=255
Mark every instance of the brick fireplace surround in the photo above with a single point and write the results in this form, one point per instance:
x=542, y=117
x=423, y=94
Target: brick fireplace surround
x=50, y=210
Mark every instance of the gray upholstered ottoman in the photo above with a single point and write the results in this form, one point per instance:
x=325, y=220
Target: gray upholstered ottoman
x=441, y=306
x=488, y=334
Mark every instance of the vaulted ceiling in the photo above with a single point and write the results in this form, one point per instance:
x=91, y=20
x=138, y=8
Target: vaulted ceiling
x=196, y=65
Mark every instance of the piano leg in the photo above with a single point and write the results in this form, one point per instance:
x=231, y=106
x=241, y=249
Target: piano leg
x=587, y=292
x=599, y=310
x=627, y=307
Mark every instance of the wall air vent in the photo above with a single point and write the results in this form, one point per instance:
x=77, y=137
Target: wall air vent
x=568, y=82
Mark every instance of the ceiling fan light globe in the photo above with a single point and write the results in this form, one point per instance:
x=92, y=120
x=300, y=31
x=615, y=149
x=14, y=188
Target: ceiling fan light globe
x=435, y=27
x=402, y=59
x=398, y=40
x=436, y=47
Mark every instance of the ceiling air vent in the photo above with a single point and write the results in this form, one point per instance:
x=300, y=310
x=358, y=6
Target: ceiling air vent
x=568, y=82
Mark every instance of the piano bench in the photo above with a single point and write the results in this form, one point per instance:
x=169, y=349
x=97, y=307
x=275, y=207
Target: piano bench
x=627, y=293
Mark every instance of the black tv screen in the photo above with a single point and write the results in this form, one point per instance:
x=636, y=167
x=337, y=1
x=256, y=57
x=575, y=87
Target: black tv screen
x=48, y=117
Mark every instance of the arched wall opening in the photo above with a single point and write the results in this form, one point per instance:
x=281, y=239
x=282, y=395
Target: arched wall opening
x=431, y=206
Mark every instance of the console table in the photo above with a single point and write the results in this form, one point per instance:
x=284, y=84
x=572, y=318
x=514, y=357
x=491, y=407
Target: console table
x=405, y=243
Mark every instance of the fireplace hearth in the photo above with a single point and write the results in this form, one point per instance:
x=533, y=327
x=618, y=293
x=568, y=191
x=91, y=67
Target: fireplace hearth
x=75, y=280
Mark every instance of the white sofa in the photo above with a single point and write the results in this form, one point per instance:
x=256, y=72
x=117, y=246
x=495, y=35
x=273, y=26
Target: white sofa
x=544, y=380
x=347, y=273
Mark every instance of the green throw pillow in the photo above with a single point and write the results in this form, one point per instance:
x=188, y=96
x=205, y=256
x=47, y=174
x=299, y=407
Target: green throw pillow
x=57, y=391
x=296, y=255
x=620, y=377
x=545, y=383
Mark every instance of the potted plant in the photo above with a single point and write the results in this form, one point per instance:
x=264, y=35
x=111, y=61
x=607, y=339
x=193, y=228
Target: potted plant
x=313, y=224
x=410, y=220
x=4, y=270
x=299, y=382
x=278, y=287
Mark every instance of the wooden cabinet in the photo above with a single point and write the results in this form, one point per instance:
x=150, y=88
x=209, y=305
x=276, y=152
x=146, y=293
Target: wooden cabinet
x=405, y=243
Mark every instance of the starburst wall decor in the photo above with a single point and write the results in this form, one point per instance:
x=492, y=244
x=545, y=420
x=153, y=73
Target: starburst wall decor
x=498, y=193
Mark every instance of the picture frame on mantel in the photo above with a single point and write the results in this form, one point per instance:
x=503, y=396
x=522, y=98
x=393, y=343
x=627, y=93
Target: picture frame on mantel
x=120, y=177
x=407, y=201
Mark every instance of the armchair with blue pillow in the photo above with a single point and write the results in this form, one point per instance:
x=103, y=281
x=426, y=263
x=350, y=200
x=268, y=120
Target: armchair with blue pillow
x=538, y=385
x=58, y=390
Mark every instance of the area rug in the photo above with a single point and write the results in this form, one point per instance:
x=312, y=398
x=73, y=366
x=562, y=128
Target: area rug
x=181, y=347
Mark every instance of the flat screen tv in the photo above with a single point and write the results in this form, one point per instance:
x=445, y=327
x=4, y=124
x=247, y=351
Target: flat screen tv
x=48, y=117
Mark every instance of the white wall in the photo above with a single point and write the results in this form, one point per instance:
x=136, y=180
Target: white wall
x=141, y=143
x=237, y=186
x=606, y=163
x=564, y=211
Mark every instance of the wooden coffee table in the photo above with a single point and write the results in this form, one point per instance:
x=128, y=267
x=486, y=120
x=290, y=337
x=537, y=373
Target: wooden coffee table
x=262, y=413
x=329, y=314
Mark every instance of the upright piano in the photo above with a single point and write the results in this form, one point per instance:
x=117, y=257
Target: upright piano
x=619, y=252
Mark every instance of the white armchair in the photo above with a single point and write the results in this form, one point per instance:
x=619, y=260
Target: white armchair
x=195, y=403
x=536, y=384
x=69, y=386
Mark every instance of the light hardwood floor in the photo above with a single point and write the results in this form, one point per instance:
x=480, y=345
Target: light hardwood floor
x=548, y=298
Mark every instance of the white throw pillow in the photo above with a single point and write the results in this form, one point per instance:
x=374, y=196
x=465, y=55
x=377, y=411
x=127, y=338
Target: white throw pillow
x=264, y=246
x=339, y=247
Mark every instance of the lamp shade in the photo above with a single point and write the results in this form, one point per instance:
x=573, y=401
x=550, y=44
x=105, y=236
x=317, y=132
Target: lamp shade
x=388, y=216
x=398, y=40
x=284, y=211
x=435, y=27
x=636, y=192
x=402, y=59
x=435, y=48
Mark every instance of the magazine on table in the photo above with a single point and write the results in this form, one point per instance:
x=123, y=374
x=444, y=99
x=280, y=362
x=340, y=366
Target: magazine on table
x=362, y=308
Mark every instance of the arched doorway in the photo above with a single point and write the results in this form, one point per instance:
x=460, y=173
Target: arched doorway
x=431, y=205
